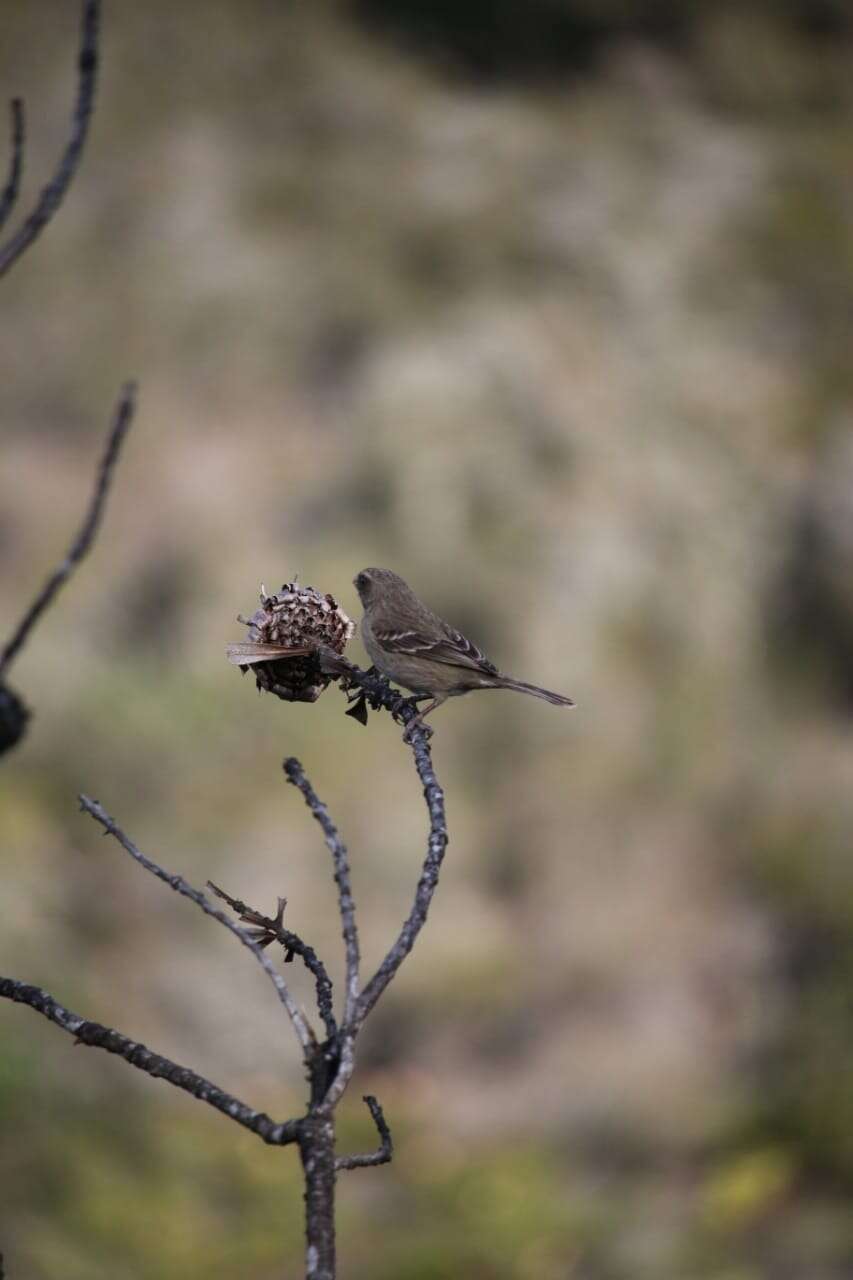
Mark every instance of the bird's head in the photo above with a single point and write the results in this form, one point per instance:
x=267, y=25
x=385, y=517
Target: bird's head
x=371, y=583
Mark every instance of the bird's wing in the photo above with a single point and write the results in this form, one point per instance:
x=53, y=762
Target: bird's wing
x=451, y=647
x=247, y=654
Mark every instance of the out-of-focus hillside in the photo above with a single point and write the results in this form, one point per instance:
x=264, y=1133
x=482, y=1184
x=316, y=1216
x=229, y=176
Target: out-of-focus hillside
x=566, y=341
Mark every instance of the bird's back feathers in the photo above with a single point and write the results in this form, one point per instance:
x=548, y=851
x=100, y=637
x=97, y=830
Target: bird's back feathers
x=419, y=650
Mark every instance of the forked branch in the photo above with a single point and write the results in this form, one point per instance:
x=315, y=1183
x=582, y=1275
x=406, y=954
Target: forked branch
x=331, y=1063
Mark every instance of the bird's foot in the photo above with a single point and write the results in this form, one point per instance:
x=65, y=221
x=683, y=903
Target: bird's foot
x=417, y=722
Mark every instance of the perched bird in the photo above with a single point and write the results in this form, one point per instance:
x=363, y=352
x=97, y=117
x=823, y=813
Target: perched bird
x=416, y=648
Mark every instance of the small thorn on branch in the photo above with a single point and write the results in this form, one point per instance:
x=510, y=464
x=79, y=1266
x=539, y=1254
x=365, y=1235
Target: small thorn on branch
x=264, y=930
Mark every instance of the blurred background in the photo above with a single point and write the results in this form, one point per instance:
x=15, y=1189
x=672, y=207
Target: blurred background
x=546, y=306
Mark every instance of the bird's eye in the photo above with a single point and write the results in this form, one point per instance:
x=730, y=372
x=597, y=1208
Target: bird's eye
x=362, y=582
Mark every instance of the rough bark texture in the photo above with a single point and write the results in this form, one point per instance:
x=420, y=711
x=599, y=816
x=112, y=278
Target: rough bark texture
x=317, y=1149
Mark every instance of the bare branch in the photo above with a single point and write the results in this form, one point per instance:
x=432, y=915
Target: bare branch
x=266, y=929
x=378, y=693
x=300, y=1024
x=52, y=195
x=16, y=162
x=295, y=774
x=436, y=847
x=85, y=536
x=386, y=1147
x=153, y=1064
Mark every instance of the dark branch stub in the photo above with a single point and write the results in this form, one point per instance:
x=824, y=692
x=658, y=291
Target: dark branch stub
x=13, y=718
x=385, y=1150
x=52, y=195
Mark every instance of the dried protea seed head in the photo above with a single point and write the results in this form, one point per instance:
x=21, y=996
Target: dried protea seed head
x=297, y=616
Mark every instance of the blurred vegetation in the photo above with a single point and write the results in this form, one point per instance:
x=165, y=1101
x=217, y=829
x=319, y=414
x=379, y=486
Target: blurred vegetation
x=551, y=313
x=504, y=39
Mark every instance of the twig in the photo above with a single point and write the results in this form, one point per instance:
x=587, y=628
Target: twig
x=153, y=1064
x=300, y=1024
x=52, y=195
x=329, y=1086
x=85, y=536
x=386, y=1147
x=268, y=929
x=295, y=774
x=16, y=162
x=436, y=848
x=380, y=694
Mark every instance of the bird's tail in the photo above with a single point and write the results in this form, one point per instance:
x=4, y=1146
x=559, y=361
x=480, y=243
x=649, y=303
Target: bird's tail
x=558, y=699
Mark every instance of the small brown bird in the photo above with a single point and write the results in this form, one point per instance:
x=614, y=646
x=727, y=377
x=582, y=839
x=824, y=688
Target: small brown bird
x=416, y=648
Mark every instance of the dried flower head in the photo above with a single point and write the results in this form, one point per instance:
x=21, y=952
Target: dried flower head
x=296, y=619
